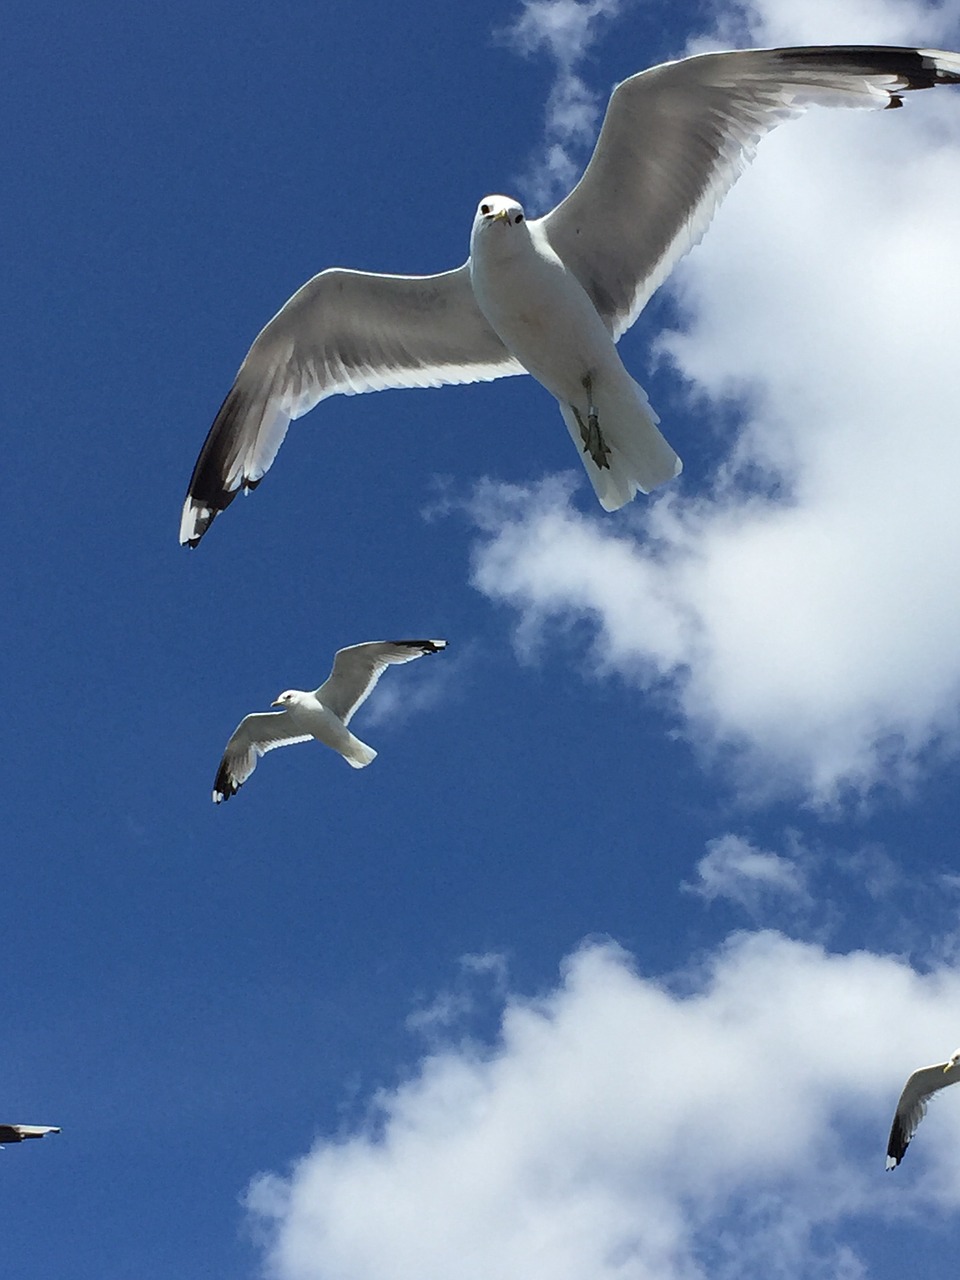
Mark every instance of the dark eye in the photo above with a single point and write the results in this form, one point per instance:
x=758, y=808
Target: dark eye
x=484, y=208
x=518, y=218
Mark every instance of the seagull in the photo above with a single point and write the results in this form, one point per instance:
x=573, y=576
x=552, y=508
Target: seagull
x=323, y=714
x=550, y=296
x=20, y=1132
x=912, y=1107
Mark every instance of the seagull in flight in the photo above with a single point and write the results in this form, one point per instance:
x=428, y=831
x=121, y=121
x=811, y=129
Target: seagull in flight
x=550, y=296
x=912, y=1107
x=323, y=714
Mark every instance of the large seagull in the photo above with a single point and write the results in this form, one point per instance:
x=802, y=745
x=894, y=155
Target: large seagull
x=550, y=296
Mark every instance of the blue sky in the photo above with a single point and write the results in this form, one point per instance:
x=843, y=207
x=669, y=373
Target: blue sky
x=615, y=960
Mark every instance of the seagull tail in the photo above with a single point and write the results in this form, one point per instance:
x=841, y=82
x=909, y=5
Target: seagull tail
x=640, y=459
x=356, y=753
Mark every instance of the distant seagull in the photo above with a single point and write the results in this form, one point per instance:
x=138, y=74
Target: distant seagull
x=551, y=296
x=323, y=714
x=20, y=1132
x=912, y=1107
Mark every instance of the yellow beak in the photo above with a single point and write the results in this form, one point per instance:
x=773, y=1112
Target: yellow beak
x=500, y=215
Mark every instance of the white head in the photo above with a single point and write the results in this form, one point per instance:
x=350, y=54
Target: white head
x=953, y=1061
x=289, y=698
x=499, y=214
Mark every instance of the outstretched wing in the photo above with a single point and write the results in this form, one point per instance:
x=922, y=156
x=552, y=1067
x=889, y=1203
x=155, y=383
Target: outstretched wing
x=253, y=737
x=912, y=1107
x=358, y=668
x=343, y=331
x=676, y=138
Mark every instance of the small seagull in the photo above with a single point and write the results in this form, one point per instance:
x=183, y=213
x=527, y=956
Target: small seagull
x=20, y=1132
x=323, y=714
x=548, y=296
x=912, y=1107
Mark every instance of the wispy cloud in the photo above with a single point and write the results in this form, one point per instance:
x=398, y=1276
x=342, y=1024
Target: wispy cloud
x=482, y=978
x=565, y=31
x=421, y=687
x=620, y=1126
x=737, y=870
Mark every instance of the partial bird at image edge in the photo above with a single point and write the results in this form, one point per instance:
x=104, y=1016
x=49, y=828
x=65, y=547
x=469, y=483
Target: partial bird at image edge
x=912, y=1107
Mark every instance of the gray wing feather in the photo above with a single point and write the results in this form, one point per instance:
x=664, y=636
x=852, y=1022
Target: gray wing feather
x=357, y=669
x=253, y=737
x=348, y=332
x=676, y=138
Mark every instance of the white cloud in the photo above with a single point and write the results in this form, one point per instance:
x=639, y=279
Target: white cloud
x=482, y=977
x=803, y=608
x=728, y=1122
x=737, y=870
x=565, y=30
x=786, y=22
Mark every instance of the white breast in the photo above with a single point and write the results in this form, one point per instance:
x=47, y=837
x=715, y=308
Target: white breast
x=539, y=309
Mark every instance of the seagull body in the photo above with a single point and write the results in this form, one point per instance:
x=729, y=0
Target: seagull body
x=20, y=1132
x=550, y=296
x=545, y=318
x=912, y=1106
x=323, y=714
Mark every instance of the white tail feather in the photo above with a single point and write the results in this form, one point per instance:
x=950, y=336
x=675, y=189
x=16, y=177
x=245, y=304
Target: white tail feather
x=640, y=458
x=357, y=754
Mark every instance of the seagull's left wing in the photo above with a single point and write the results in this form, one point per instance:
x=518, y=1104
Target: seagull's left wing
x=676, y=138
x=358, y=668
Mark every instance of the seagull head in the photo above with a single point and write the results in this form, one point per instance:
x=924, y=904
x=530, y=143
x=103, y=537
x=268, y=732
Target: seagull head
x=288, y=698
x=502, y=211
x=953, y=1061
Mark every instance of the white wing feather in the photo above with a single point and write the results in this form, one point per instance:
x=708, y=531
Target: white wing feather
x=357, y=669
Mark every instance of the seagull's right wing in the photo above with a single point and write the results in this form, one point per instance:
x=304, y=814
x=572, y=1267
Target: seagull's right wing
x=912, y=1107
x=358, y=668
x=343, y=331
x=253, y=737
x=676, y=138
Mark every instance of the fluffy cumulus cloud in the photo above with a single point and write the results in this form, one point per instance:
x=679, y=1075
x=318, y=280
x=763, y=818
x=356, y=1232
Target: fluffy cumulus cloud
x=729, y=1121
x=800, y=605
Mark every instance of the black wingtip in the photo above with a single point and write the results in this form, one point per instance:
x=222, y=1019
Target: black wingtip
x=425, y=646
x=224, y=785
x=207, y=495
x=915, y=68
x=897, y=1145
